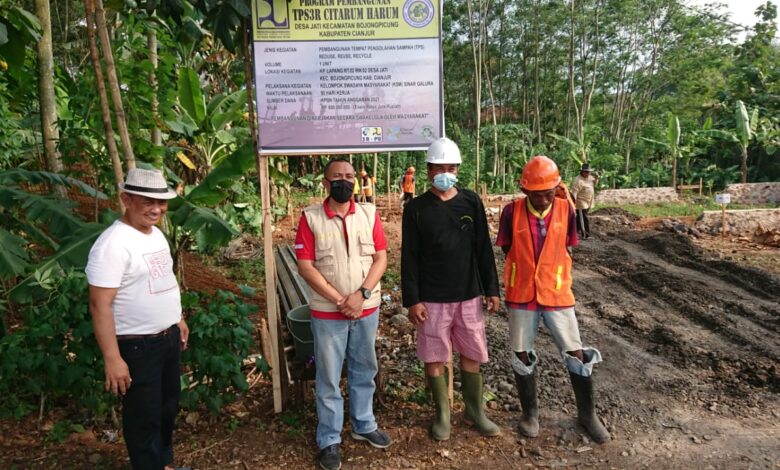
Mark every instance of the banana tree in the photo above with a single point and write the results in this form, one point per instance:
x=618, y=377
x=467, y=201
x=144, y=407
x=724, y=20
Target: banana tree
x=742, y=134
x=672, y=144
x=209, y=125
x=41, y=234
x=578, y=150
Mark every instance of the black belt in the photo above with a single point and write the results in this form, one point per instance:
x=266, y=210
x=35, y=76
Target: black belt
x=164, y=332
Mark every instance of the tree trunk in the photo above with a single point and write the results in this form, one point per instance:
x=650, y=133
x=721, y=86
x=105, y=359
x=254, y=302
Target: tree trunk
x=49, y=132
x=495, y=120
x=113, y=83
x=476, y=52
x=743, y=167
x=156, y=134
x=105, y=112
x=572, y=97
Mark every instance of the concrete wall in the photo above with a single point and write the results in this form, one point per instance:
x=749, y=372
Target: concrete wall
x=635, y=195
x=739, y=222
x=754, y=193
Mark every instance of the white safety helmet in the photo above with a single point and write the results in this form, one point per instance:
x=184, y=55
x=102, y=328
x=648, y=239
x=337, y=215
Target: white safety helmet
x=443, y=151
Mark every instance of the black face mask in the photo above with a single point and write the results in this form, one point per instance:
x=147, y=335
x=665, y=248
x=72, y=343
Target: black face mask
x=341, y=190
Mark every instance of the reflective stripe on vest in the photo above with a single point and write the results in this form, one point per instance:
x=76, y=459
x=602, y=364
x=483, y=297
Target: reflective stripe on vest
x=549, y=278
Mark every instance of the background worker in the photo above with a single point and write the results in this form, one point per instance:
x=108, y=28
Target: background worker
x=407, y=186
x=368, y=183
x=536, y=233
x=583, y=189
x=447, y=264
x=357, y=189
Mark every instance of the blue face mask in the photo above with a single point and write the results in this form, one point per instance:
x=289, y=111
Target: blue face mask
x=444, y=181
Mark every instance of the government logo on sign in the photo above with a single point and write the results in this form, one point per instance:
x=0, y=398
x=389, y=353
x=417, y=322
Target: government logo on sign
x=272, y=14
x=371, y=134
x=418, y=13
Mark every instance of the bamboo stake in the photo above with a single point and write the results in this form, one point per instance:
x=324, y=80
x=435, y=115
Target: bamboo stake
x=113, y=83
x=105, y=111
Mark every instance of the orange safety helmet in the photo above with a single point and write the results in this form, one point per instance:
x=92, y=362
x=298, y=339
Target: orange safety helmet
x=410, y=169
x=540, y=174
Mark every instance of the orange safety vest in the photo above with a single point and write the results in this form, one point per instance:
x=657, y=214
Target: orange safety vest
x=408, y=184
x=549, y=278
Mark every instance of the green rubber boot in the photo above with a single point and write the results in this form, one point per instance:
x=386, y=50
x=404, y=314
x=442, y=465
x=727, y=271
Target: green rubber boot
x=472, y=397
x=440, y=429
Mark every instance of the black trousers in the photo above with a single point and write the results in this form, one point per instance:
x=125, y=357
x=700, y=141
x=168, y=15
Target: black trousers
x=583, y=224
x=150, y=406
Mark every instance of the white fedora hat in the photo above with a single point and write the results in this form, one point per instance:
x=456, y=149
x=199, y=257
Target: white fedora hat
x=149, y=183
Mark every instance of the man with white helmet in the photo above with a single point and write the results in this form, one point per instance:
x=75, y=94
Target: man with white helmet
x=447, y=264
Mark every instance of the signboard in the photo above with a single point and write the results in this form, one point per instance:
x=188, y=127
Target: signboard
x=724, y=198
x=341, y=76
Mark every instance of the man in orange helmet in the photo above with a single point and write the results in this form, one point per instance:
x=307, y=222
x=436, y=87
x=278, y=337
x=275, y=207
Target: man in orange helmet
x=368, y=183
x=536, y=233
x=407, y=186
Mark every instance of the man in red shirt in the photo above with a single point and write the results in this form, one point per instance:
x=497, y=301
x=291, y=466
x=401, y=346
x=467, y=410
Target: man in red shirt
x=342, y=254
x=536, y=233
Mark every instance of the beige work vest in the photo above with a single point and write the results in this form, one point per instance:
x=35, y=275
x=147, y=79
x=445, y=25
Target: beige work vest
x=343, y=269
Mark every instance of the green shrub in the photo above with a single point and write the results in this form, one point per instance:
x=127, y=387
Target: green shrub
x=220, y=338
x=54, y=354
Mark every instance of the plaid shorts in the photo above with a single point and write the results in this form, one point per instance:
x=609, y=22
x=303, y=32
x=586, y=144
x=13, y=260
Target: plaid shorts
x=461, y=323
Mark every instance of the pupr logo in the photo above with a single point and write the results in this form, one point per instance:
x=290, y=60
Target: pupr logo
x=272, y=14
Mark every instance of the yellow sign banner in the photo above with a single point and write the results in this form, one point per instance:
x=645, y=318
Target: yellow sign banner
x=334, y=20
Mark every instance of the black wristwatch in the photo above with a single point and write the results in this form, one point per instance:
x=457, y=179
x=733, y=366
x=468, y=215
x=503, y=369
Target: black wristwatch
x=365, y=292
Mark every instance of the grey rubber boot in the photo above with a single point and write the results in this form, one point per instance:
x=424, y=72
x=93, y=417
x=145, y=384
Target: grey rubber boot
x=586, y=409
x=440, y=429
x=472, y=387
x=526, y=389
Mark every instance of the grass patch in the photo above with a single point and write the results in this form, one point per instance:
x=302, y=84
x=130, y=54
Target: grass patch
x=691, y=208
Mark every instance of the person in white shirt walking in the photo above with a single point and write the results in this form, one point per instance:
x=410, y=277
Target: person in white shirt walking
x=583, y=189
x=136, y=311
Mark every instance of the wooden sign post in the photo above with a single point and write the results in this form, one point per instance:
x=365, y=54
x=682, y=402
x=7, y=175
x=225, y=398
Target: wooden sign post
x=723, y=199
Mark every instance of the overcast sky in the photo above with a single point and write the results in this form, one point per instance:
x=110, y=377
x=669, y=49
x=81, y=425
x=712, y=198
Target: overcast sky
x=742, y=11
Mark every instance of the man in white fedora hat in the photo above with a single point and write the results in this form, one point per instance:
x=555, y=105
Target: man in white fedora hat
x=136, y=312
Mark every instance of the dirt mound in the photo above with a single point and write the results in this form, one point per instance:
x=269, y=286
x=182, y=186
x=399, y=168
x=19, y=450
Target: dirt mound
x=681, y=251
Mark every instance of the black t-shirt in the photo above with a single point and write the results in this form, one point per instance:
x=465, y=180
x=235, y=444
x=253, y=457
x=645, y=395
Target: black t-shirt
x=446, y=255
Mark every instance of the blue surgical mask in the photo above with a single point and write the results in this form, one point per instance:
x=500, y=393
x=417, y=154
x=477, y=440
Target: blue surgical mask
x=444, y=181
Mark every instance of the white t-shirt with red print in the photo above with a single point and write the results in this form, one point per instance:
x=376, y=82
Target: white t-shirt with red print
x=140, y=267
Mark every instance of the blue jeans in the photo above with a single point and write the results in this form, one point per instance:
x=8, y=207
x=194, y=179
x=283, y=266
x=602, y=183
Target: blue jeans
x=150, y=406
x=333, y=341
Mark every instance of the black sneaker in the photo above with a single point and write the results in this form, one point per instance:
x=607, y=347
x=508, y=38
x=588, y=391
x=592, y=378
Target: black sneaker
x=330, y=458
x=378, y=438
